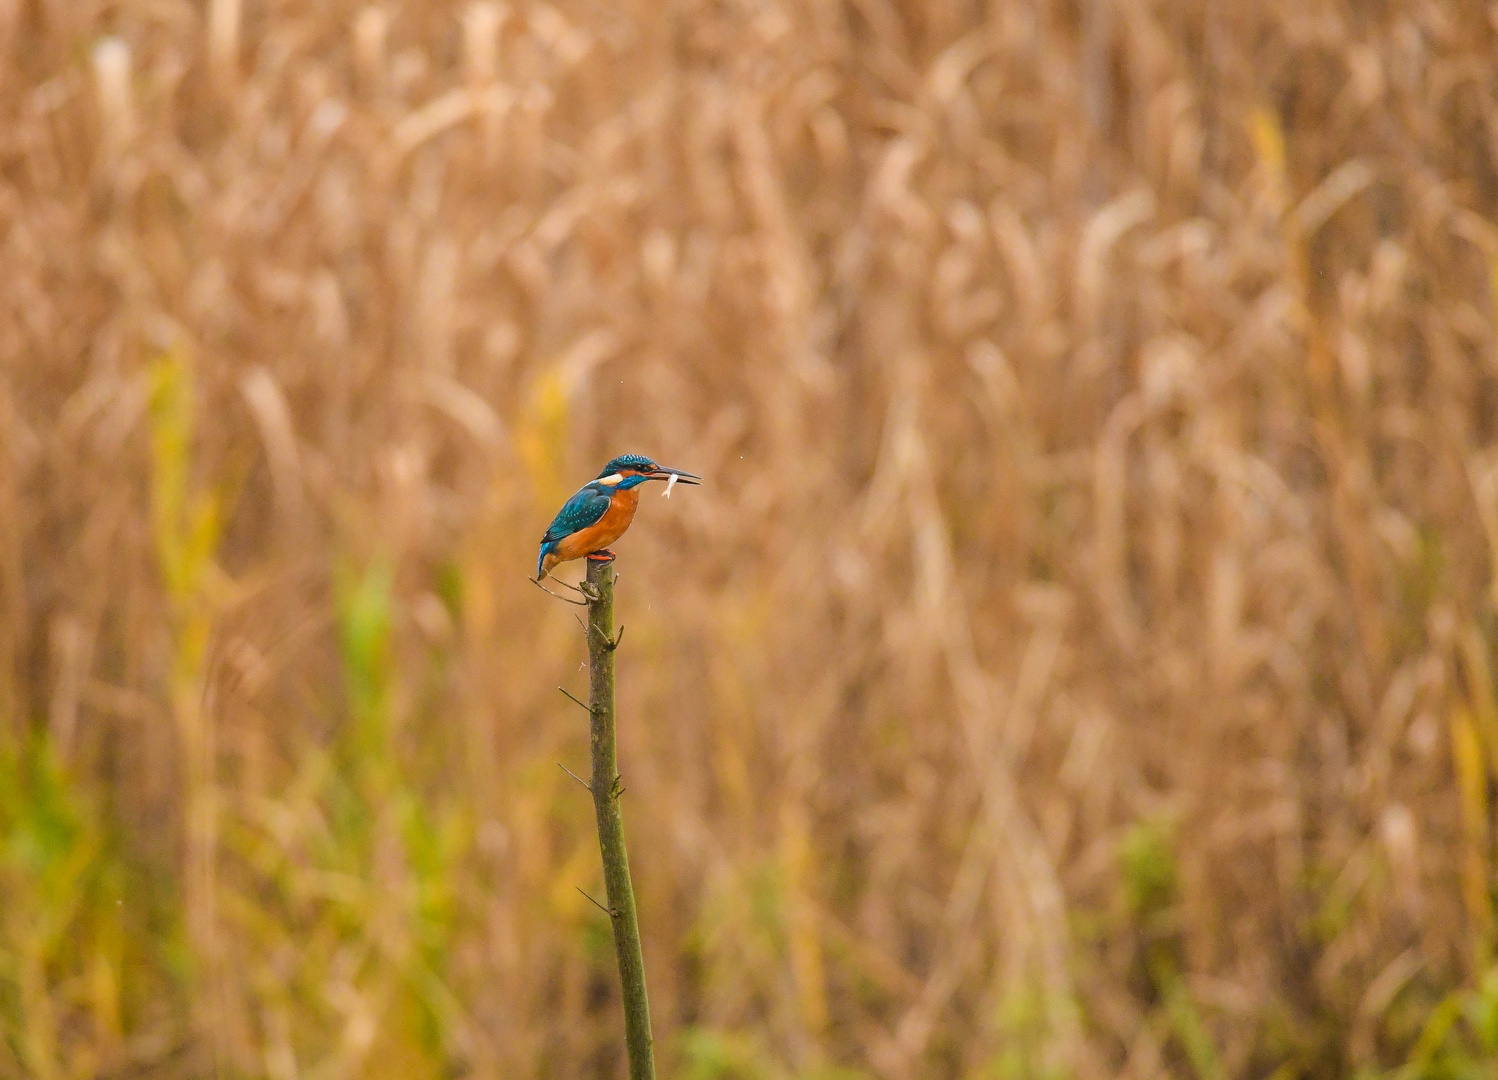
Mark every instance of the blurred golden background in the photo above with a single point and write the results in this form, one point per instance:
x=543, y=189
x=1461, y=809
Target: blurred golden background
x=1080, y=663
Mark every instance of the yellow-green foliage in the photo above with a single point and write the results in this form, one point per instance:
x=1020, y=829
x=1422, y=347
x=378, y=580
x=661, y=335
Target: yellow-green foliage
x=185, y=520
x=348, y=878
x=62, y=944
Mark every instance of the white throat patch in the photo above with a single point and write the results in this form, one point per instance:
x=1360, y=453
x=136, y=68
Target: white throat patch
x=611, y=479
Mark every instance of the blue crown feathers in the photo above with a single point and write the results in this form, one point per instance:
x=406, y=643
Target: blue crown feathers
x=635, y=462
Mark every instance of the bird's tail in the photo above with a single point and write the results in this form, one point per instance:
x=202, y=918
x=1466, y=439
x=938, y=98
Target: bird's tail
x=541, y=561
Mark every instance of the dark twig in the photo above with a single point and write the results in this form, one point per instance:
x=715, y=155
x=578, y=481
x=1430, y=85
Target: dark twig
x=613, y=643
x=558, y=596
x=606, y=790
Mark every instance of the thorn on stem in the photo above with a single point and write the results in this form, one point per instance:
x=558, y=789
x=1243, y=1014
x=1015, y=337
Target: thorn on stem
x=574, y=776
x=587, y=708
x=610, y=912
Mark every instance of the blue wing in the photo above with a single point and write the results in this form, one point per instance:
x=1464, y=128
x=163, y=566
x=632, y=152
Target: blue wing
x=577, y=513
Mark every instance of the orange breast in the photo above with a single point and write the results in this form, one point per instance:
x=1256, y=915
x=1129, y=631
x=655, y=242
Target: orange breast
x=604, y=531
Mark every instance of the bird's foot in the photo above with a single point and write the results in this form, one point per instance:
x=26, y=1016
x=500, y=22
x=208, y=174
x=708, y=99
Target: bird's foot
x=605, y=555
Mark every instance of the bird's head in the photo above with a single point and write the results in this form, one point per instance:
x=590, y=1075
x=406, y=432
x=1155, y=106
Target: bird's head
x=631, y=470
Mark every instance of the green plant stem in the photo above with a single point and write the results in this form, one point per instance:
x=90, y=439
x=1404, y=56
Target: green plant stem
x=606, y=791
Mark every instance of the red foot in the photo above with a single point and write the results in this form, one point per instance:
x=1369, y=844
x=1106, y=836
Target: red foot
x=601, y=556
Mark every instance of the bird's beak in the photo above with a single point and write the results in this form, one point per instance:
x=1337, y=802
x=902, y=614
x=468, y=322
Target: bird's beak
x=663, y=473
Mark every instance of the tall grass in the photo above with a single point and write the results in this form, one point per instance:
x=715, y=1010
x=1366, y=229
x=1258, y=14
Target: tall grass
x=1081, y=662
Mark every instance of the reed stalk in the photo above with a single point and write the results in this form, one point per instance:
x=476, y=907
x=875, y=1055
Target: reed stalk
x=606, y=790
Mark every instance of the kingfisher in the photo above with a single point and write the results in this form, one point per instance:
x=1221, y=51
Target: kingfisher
x=601, y=510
